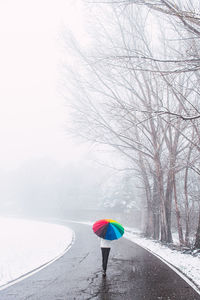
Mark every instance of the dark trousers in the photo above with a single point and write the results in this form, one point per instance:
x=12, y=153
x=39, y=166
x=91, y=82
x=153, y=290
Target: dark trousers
x=105, y=254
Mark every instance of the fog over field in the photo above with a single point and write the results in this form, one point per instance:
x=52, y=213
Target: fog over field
x=44, y=171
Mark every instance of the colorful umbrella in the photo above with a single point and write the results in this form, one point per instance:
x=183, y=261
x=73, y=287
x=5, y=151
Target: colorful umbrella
x=108, y=229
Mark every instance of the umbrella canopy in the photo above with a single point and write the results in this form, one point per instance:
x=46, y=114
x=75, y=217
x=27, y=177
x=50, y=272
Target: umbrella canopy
x=108, y=229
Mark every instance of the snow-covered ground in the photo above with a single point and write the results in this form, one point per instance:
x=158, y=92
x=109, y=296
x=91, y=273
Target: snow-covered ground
x=186, y=265
x=27, y=246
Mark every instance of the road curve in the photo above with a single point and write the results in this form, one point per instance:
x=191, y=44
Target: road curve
x=133, y=274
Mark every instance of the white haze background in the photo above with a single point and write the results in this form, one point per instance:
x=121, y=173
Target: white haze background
x=32, y=113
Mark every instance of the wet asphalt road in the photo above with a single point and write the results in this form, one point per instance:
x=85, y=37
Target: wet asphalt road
x=132, y=274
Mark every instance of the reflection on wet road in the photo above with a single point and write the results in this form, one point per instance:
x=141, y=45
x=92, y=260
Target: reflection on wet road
x=132, y=274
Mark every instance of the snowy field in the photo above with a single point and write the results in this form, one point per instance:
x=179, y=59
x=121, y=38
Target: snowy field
x=29, y=245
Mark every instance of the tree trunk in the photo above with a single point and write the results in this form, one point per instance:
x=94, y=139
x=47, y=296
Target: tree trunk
x=178, y=215
x=163, y=218
x=187, y=217
x=168, y=203
x=156, y=210
x=148, y=227
x=149, y=222
x=197, y=241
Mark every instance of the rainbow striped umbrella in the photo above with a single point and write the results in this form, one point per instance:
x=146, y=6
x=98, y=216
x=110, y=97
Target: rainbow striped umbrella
x=108, y=229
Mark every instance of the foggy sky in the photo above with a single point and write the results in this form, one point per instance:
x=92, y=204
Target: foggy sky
x=33, y=114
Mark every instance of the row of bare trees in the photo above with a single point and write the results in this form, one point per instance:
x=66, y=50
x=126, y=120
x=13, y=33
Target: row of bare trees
x=137, y=90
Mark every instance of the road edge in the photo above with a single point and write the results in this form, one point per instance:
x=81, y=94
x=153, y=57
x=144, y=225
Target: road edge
x=174, y=268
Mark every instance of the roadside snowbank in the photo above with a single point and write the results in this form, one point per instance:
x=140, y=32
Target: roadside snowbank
x=29, y=245
x=184, y=264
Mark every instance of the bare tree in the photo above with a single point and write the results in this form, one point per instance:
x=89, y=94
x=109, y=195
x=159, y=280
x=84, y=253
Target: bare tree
x=129, y=102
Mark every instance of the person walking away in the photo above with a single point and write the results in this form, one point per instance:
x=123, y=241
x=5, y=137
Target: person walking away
x=105, y=250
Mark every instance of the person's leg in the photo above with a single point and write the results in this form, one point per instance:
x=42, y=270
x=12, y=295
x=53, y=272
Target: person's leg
x=103, y=257
x=105, y=254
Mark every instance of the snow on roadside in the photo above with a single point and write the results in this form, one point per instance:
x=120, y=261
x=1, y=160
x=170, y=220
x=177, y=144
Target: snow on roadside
x=27, y=245
x=185, y=263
